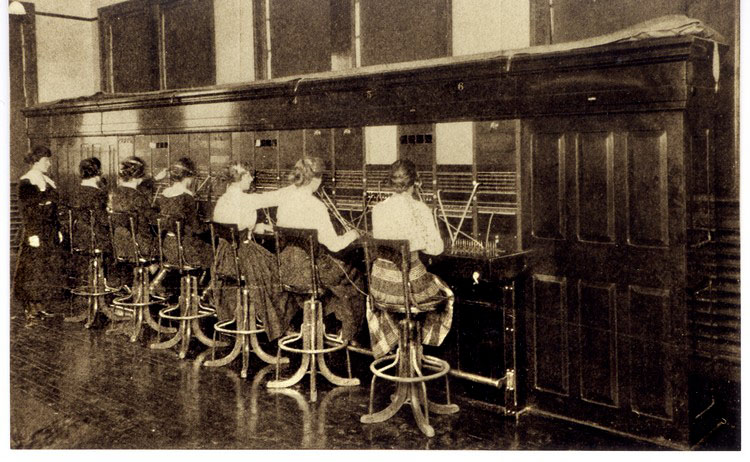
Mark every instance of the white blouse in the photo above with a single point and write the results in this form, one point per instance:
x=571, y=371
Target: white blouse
x=299, y=209
x=237, y=207
x=403, y=217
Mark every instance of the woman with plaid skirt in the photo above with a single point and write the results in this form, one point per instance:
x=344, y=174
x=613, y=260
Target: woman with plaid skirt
x=402, y=217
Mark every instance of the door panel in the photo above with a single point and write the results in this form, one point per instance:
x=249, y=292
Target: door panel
x=606, y=200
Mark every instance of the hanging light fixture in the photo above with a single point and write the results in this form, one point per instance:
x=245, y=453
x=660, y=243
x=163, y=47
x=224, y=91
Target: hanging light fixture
x=16, y=8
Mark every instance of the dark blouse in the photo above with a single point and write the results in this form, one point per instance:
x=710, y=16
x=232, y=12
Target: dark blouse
x=39, y=212
x=184, y=208
x=94, y=199
x=138, y=203
x=135, y=201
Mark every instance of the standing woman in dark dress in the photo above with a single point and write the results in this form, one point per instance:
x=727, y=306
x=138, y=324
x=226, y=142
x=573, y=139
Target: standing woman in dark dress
x=40, y=276
x=178, y=202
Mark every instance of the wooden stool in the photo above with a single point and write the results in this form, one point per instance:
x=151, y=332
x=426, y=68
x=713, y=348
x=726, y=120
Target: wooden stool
x=189, y=310
x=136, y=304
x=246, y=329
x=409, y=359
x=312, y=333
x=96, y=287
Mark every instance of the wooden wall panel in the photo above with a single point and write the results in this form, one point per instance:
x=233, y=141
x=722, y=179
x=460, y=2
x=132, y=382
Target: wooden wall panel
x=595, y=186
x=495, y=145
x=348, y=147
x=547, y=185
x=699, y=179
x=221, y=151
x=319, y=143
x=648, y=216
x=199, y=152
x=242, y=147
x=598, y=367
x=160, y=153
x=142, y=149
x=649, y=352
x=290, y=148
x=130, y=50
x=550, y=334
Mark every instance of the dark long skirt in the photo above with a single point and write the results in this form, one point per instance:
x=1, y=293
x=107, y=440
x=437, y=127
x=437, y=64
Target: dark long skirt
x=258, y=266
x=197, y=252
x=41, y=276
x=341, y=291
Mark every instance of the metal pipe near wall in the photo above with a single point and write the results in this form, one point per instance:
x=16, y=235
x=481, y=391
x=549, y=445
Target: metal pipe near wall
x=497, y=383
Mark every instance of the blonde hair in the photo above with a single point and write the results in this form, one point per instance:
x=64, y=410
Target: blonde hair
x=306, y=169
x=235, y=171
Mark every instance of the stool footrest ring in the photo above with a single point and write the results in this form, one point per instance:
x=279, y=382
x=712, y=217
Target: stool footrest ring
x=203, y=313
x=442, y=368
x=87, y=291
x=285, y=341
x=221, y=327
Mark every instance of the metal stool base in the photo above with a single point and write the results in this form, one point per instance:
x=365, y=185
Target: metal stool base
x=313, y=339
x=411, y=387
x=190, y=312
x=135, y=306
x=246, y=336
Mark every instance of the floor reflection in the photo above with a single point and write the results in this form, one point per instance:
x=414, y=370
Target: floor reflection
x=72, y=387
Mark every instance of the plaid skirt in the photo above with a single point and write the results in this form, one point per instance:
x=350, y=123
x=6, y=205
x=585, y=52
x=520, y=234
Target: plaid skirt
x=386, y=286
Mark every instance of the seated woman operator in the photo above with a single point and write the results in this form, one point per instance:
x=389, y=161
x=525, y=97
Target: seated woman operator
x=90, y=199
x=298, y=208
x=258, y=265
x=132, y=197
x=178, y=203
x=403, y=217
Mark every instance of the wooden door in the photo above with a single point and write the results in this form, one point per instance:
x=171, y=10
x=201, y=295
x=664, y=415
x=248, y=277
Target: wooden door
x=604, y=207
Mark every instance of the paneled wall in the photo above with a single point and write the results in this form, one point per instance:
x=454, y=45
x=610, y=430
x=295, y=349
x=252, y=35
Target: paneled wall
x=567, y=20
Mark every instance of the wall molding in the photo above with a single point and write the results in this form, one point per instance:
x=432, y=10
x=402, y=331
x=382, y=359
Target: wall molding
x=65, y=16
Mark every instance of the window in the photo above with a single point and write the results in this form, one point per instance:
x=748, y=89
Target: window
x=294, y=37
x=396, y=30
x=157, y=44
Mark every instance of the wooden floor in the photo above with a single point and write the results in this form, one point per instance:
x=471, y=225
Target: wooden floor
x=73, y=388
